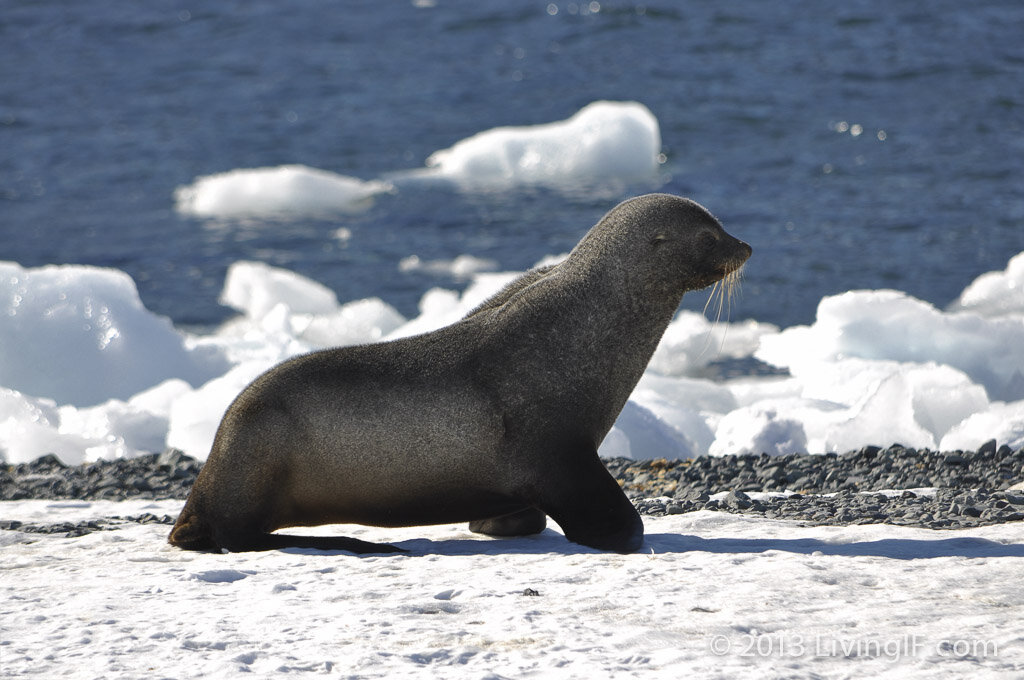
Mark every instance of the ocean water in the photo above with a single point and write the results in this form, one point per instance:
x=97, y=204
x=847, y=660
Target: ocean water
x=868, y=144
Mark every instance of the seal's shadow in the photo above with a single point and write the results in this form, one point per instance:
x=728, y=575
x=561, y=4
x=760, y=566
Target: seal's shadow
x=552, y=542
x=893, y=548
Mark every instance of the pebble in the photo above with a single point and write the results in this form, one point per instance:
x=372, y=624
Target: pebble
x=972, y=488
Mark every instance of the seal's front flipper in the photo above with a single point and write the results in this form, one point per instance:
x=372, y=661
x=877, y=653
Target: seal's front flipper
x=521, y=523
x=592, y=510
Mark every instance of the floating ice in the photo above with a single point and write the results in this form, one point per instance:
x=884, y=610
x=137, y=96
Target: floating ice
x=255, y=288
x=80, y=336
x=93, y=374
x=888, y=324
x=691, y=342
x=275, y=192
x=756, y=430
x=994, y=294
x=461, y=267
x=602, y=141
x=30, y=427
x=194, y=417
x=1002, y=422
x=641, y=435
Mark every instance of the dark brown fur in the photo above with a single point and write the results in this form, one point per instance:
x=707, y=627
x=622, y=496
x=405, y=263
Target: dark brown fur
x=494, y=420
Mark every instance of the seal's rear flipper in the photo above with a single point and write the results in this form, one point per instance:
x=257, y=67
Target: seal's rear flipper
x=353, y=545
x=258, y=542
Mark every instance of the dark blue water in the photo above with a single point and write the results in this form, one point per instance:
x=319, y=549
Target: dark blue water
x=106, y=107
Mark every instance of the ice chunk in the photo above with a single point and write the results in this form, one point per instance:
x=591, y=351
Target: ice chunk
x=286, y=190
x=114, y=429
x=887, y=324
x=756, y=430
x=1002, y=422
x=641, y=435
x=355, y=323
x=440, y=307
x=604, y=140
x=914, y=405
x=255, y=288
x=28, y=429
x=691, y=342
x=195, y=416
x=461, y=267
x=999, y=293
x=32, y=427
x=296, y=314
x=80, y=335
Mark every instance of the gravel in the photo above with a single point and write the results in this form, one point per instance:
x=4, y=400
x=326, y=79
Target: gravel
x=893, y=485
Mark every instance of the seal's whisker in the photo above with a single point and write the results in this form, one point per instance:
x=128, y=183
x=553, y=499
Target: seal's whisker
x=711, y=296
x=716, y=288
x=723, y=294
x=724, y=299
x=730, y=287
x=717, y=294
x=735, y=280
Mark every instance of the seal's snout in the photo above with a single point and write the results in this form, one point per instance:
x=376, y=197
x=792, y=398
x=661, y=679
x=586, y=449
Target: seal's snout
x=743, y=253
x=745, y=250
x=736, y=256
x=724, y=265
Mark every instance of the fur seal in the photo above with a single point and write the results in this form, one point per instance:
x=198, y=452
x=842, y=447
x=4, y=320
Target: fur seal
x=494, y=420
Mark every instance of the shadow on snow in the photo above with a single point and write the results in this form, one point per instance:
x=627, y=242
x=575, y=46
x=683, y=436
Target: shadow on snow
x=552, y=542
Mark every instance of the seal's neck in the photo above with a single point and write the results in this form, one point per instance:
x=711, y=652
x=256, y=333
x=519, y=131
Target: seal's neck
x=609, y=321
x=636, y=302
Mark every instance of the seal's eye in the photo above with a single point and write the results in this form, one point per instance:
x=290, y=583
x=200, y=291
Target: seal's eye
x=658, y=239
x=707, y=240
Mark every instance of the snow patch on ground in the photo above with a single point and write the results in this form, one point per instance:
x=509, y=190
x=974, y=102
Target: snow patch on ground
x=710, y=595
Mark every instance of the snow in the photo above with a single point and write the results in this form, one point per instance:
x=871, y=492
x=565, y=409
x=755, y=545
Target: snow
x=603, y=143
x=710, y=595
x=97, y=375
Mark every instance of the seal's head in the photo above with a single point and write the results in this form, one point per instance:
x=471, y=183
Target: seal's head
x=693, y=240
x=676, y=240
